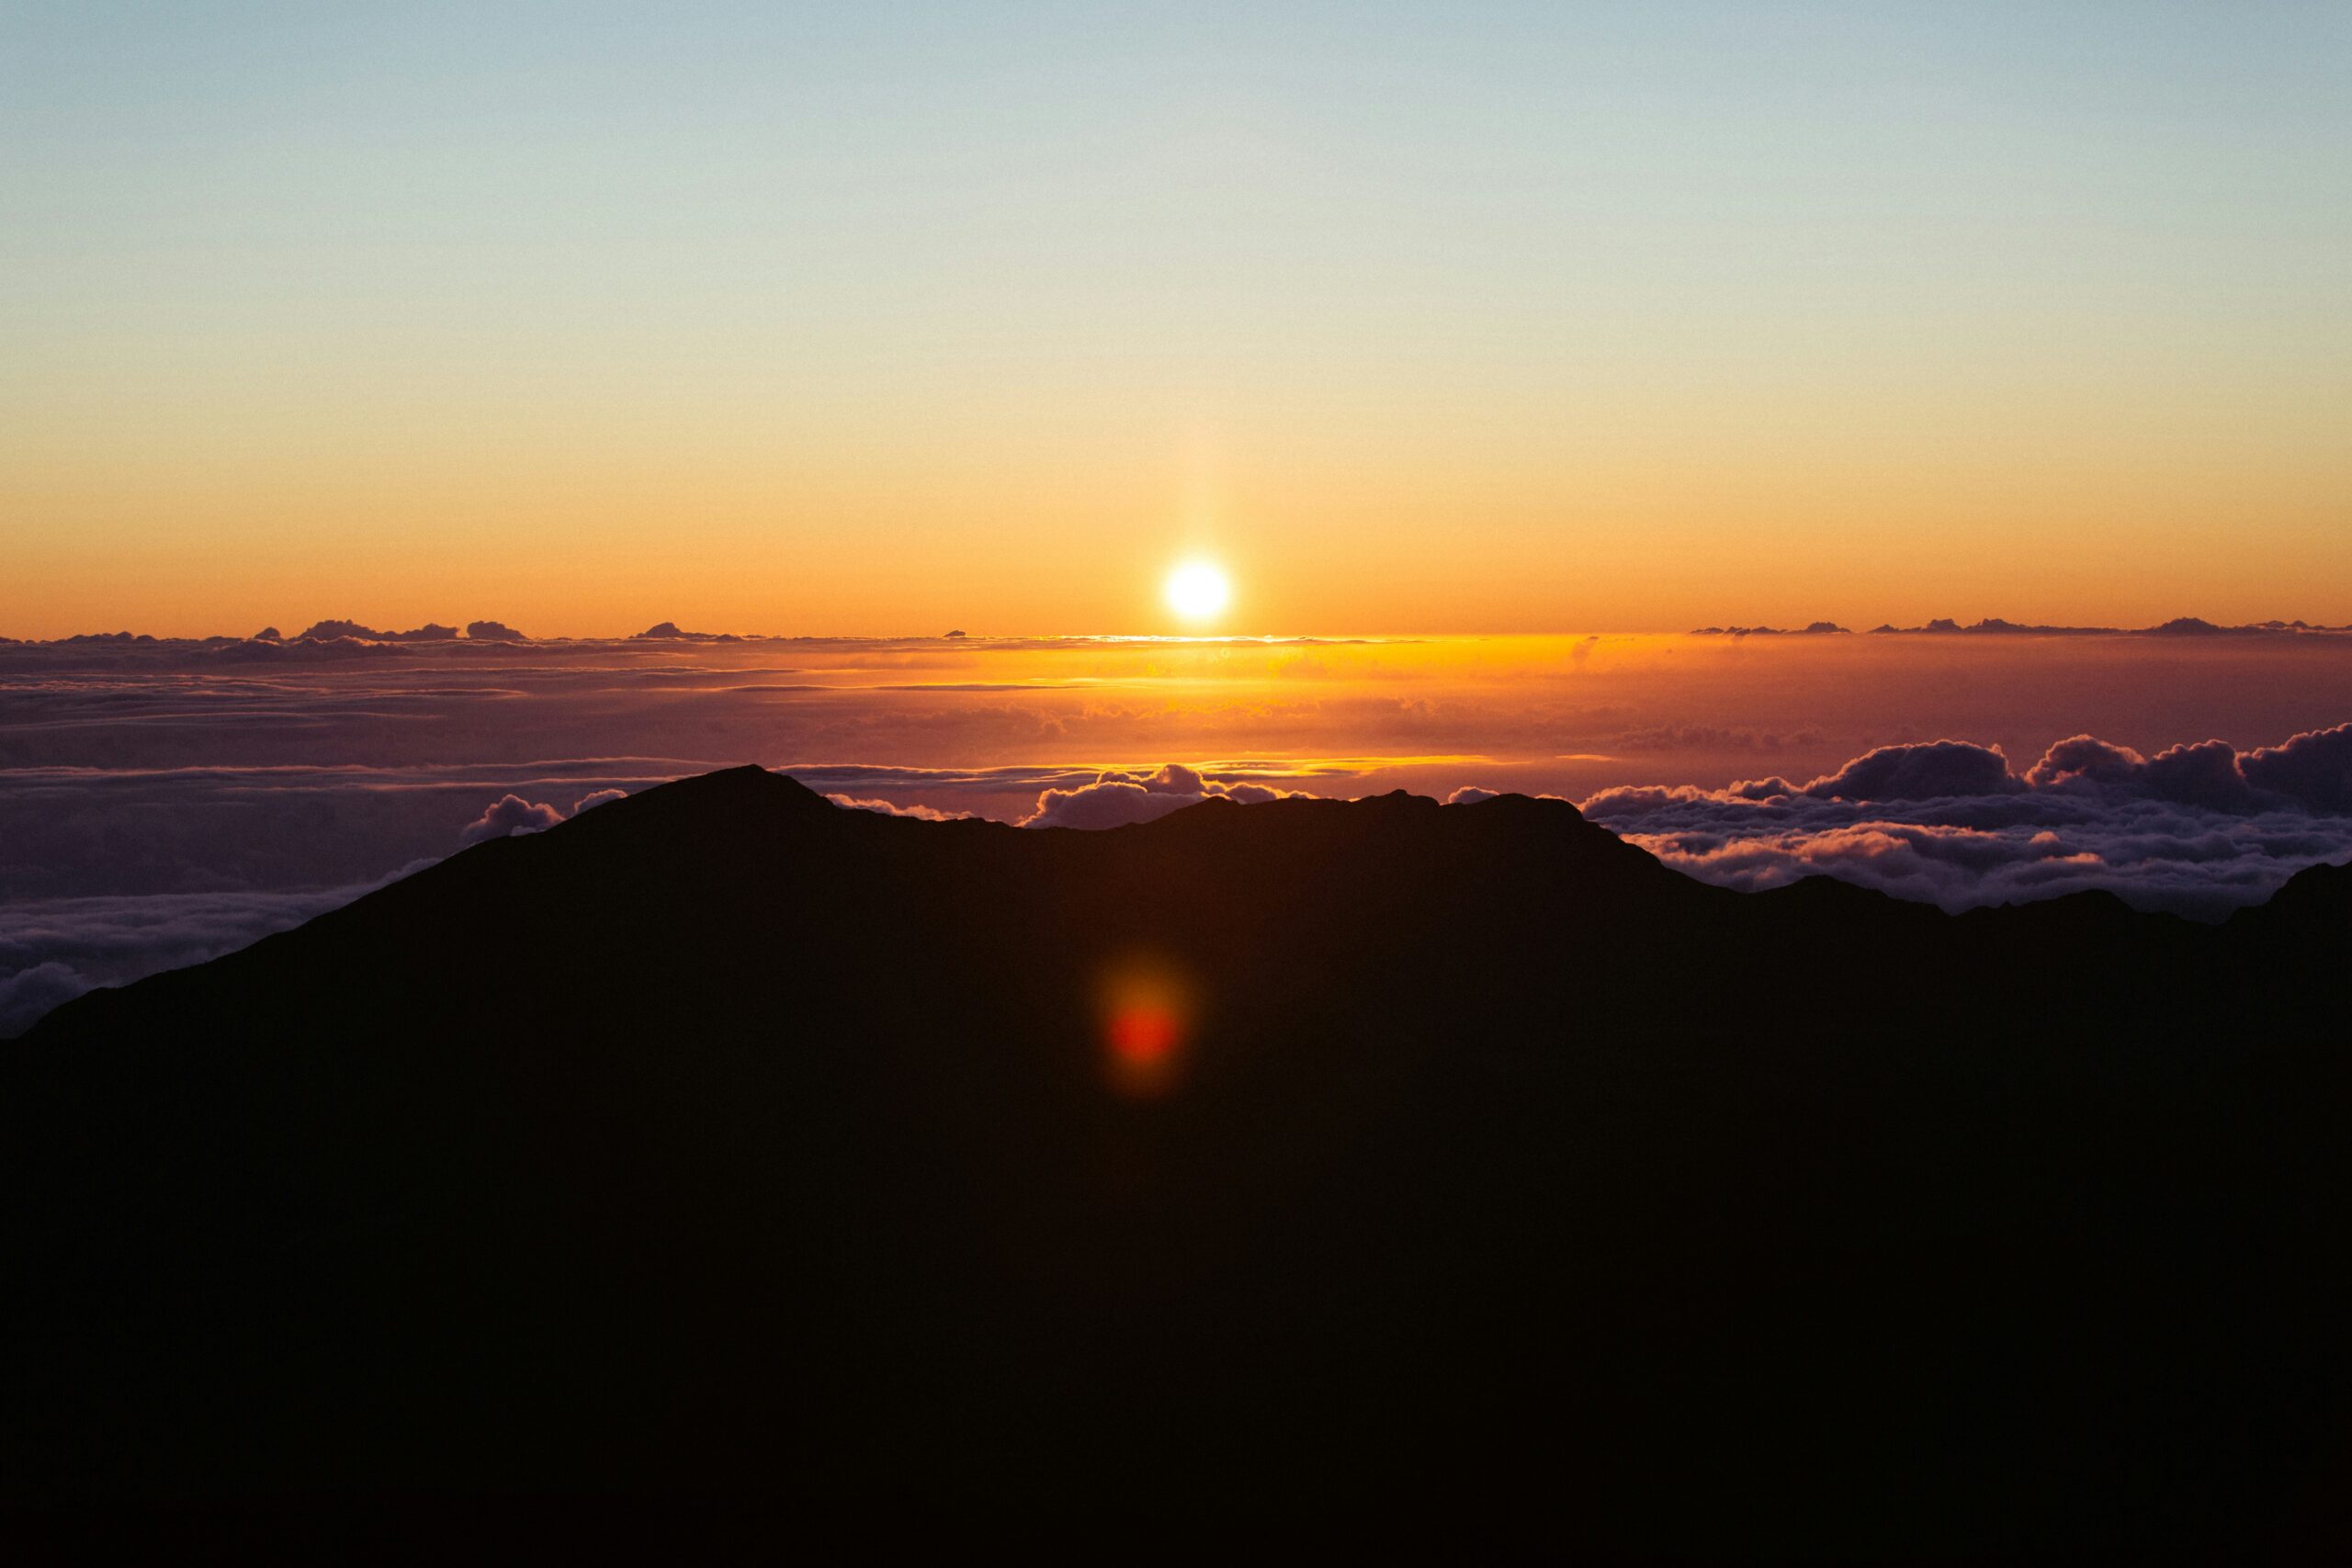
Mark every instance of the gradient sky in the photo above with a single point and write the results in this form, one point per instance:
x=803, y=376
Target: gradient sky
x=878, y=319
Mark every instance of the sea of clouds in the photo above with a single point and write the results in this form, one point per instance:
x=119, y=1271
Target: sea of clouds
x=164, y=803
x=2199, y=828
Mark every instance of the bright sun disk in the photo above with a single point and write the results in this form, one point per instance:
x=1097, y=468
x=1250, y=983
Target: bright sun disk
x=1197, y=591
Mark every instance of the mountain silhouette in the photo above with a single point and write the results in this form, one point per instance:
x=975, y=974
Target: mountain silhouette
x=1376, y=1167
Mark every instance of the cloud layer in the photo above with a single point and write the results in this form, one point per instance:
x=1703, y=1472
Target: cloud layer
x=2199, y=828
x=258, y=770
x=1117, y=799
x=53, y=950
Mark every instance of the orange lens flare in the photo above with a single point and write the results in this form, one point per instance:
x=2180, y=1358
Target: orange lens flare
x=1147, y=1023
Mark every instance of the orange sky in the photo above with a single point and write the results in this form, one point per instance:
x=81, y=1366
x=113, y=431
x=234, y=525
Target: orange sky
x=1482, y=323
x=577, y=536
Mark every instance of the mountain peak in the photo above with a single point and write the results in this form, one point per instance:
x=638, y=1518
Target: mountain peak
x=748, y=786
x=566, y=1163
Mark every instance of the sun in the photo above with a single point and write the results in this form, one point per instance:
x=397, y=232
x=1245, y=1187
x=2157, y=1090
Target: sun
x=1198, y=590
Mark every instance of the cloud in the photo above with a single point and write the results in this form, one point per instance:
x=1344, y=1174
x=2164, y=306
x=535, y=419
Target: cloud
x=1710, y=738
x=2206, y=773
x=1272, y=771
x=341, y=631
x=1932, y=770
x=512, y=813
x=2083, y=757
x=825, y=777
x=28, y=994
x=1471, y=794
x=2199, y=829
x=52, y=950
x=2314, y=767
x=1119, y=799
x=2313, y=770
x=83, y=831
x=508, y=814
x=1922, y=771
x=921, y=813
x=352, y=756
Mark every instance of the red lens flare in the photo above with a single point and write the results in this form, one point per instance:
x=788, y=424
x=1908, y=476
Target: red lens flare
x=1142, y=1036
x=1146, y=1013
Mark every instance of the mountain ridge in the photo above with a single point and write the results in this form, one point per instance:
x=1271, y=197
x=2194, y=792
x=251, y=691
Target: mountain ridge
x=1458, y=1167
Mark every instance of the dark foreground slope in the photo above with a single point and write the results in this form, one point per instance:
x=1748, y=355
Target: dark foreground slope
x=719, y=1142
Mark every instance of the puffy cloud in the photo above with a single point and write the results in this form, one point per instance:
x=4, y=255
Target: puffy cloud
x=2085, y=757
x=2314, y=767
x=1931, y=770
x=1923, y=772
x=2313, y=770
x=2199, y=828
x=824, y=777
x=1471, y=794
x=1118, y=799
x=1625, y=801
x=921, y=813
x=510, y=814
x=2203, y=773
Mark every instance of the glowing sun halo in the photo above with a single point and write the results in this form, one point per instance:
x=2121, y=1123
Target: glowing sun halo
x=1197, y=591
